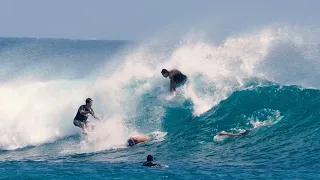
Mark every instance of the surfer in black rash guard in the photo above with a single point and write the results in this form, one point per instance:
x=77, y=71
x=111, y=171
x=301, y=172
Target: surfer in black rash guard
x=176, y=78
x=80, y=119
x=149, y=163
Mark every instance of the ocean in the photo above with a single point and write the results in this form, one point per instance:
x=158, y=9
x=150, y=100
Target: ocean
x=265, y=81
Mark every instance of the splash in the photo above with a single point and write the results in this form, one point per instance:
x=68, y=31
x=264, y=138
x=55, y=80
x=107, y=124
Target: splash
x=131, y=88
x=273, y=117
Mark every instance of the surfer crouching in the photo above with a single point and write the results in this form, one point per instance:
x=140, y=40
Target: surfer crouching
x=176, y=78
x=80, y=120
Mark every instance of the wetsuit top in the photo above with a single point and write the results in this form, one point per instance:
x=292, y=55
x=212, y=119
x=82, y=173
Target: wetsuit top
x=81, y=117
x=150, y=164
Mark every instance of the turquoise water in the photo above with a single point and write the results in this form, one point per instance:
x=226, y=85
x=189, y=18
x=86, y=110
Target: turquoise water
x=230, y=88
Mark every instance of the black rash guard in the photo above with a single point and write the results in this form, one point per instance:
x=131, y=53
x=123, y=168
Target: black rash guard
x=81, y=117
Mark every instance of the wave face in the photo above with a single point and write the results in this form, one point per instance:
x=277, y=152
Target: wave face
x=265, y=81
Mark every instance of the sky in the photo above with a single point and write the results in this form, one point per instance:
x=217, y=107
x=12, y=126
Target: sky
x=141, y=19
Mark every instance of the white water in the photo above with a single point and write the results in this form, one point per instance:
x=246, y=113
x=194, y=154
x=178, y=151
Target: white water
x=37, y=112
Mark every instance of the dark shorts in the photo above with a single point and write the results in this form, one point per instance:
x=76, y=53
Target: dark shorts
x=179, y=79
x=79, y=123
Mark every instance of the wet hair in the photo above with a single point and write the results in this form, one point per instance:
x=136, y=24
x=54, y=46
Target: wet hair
x=88, y=100
x=149, y=158
x=131, y=142
x=164, y=71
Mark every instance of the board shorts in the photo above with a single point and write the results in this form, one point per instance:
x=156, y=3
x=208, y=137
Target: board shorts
x=79, y=123
x=179, y=79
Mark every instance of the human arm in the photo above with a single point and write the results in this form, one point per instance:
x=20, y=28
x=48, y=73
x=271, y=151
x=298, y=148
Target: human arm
x=223, y=133
x=83, y=111
x=92, y=113
x=150, y=164
x=140, y=139
x=172, y=85
x=172, y=74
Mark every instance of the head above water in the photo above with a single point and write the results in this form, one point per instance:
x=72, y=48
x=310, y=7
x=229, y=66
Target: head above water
x=149, y=158
x=165, y=73
x=89, y=102
x=131, y=142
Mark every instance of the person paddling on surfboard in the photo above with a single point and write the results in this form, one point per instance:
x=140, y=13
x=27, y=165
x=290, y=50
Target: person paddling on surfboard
x=80, y=120
x=242, y=133
x=136, y=140
x=176, y=78
x=149, y=163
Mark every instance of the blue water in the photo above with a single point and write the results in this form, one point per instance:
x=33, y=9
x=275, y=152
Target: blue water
x=232, y=87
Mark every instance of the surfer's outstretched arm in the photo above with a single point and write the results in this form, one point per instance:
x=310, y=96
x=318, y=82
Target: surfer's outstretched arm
x=172, y=86
x=223, y=133
x=93, y=115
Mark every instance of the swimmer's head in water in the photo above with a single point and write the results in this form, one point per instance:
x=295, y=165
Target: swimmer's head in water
x=149, y=158
x=131, y=142
x=165, y=73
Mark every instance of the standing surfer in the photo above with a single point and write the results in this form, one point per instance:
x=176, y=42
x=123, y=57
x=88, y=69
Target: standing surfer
x=176, y=78
x=80, y=120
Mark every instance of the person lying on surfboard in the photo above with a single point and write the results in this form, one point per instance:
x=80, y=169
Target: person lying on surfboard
x=80, y=120
x=224, y=133
x=136, y=140
x=245, y=132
